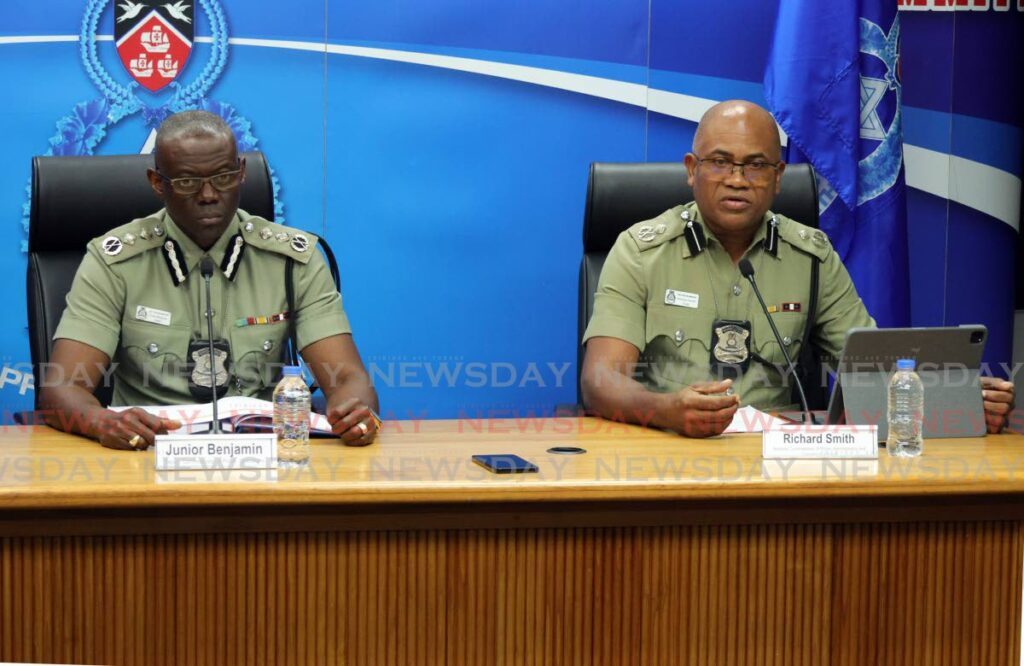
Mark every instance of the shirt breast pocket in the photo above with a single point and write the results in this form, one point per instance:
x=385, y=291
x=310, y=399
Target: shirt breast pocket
x=154, y=352
x=259, y=353
x=791, y=327
x=678, y=347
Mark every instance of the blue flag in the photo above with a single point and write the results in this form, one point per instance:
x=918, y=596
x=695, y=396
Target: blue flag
x=832, y=83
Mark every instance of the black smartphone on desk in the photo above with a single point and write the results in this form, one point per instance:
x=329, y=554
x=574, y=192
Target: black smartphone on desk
x=504, y=463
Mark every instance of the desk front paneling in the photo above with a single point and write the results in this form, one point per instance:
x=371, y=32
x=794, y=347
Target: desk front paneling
x=809, y=594
x=574, y=575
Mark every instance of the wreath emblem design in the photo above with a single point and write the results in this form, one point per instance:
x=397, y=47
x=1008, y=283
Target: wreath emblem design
x=82, y=131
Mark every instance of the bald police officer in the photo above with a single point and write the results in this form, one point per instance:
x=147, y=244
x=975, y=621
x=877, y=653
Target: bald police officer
x=677, y=339
x=138, y=302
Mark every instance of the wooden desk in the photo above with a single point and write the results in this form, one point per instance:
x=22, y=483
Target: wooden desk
x=649, y=549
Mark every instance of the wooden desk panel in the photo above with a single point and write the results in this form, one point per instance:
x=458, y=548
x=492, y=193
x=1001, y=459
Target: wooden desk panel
x=611, y=558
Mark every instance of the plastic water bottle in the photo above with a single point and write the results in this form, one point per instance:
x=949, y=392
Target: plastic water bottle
x=291, y=416
x=906, y=411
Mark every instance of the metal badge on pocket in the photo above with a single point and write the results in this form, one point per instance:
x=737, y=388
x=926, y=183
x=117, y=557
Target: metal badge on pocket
x=200, y=370
x=730, y=348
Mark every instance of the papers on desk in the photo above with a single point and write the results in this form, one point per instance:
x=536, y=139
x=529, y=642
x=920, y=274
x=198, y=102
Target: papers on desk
x=235, y=412
x=750, y=419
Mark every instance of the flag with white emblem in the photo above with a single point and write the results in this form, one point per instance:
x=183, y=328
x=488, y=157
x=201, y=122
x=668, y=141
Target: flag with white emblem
x=154, y=39
x=833, y=84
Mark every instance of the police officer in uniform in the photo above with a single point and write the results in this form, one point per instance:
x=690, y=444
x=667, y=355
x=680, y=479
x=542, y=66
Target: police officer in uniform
x=677, y=339
x=138, y=304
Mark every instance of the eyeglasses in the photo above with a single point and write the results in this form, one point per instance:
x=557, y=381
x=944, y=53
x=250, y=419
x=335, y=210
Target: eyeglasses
x=757, y=172
x=189, y=185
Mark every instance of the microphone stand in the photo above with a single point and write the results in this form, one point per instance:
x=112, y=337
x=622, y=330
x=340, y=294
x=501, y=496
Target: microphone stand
x=206, y=268
x=747, y=271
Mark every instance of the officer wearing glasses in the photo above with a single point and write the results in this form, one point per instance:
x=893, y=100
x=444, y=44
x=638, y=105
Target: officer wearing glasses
x=677, y=339
x=136, y=309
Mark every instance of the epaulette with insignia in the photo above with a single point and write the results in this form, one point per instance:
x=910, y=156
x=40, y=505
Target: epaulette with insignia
x=272, y=237
x=654, y=232
x=805, y=239
x=130, y=240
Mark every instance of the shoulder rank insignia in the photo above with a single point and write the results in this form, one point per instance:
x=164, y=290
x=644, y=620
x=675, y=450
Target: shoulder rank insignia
x=112, y=246
x=126, y=241
x=804, y=239
x=264, y=235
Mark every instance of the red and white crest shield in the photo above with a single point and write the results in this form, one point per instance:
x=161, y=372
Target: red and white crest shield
x=154, y=39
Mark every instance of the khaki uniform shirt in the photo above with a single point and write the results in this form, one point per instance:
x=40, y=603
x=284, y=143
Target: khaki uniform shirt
x=127, y=302
x=673, y=332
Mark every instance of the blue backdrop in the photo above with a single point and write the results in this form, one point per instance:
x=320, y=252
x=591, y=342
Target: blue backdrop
x=442, y=149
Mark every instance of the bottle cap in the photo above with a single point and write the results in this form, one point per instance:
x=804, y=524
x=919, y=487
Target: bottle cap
x=291, y=371
x=906, y=364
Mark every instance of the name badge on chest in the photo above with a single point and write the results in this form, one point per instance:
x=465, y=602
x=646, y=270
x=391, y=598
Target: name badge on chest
x=153, y=315
x=683, y=299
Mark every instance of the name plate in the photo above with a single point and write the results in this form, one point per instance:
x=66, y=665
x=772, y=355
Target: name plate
x=206, y=452
x=820, y=442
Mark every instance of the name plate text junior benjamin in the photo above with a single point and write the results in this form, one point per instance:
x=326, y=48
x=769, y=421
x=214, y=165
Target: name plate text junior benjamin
x=820, y=442
x=229, y=451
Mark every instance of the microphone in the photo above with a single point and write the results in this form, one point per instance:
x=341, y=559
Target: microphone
x=206, y=270
x=747, y=271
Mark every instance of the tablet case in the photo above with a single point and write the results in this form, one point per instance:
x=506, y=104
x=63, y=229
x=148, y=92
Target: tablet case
x=948, y=362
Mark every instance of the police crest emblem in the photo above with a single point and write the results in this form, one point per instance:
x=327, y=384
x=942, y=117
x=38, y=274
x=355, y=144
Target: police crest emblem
x=154, y=39
x=730, y=348
x=205, y=373
x=167, y=27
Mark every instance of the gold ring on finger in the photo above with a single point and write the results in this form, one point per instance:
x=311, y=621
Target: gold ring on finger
x=365, y=430
x=135, y=441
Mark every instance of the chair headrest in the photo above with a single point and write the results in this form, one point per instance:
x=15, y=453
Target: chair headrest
x=622, y=194
x=76, y=199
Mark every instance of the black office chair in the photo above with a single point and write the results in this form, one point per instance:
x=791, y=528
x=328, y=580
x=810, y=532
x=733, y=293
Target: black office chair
x=621, y=194
x=75, y=199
